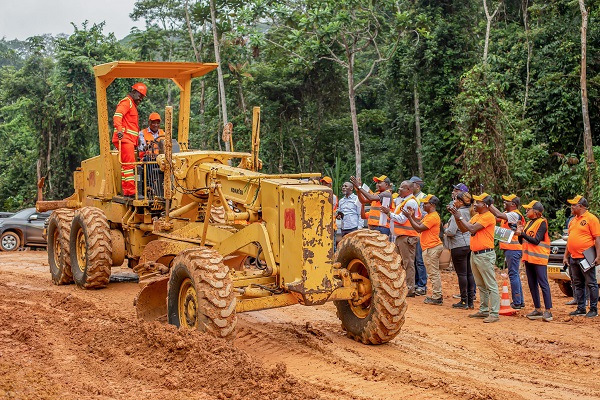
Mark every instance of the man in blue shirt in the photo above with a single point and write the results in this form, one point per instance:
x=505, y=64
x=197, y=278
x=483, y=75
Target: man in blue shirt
x=349, y=210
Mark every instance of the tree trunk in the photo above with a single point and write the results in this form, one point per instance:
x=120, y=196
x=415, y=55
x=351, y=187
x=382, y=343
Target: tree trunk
x=587, y=131
x=353, y=115
x=529, y=50
x=418, y=130
x=213, y=18
x=488, y=28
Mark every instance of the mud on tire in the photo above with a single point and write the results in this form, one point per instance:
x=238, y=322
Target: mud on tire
x=200, y=293
x=59, y=250
x=91, y=248
x=565, y=287
x=379, y=319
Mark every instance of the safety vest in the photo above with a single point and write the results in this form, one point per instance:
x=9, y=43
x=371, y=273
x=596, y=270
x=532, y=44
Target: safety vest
x=375, y=213
x=335, y=208
x=536, y=254
x=514, y=243
x=406, y=228
x=126, y=120
x=152, y=143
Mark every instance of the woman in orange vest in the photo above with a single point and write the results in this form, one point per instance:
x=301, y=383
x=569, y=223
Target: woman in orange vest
x=536, y=251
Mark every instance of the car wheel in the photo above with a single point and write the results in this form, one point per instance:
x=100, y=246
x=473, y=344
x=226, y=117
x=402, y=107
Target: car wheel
x=9, y=241
x=565, y=287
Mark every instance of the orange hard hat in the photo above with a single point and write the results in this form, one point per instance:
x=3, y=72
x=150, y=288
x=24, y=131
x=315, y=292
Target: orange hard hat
x=140, y=87
x=154, y=117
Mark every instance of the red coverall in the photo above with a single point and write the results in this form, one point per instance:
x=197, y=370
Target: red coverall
x=126, y=120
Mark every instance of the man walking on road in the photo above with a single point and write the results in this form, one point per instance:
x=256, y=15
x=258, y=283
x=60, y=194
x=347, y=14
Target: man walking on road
x=483, y=256
x=513, y=251
x=584, y=233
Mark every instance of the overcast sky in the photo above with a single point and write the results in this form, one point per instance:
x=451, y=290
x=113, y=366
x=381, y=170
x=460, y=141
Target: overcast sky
x=20, y=19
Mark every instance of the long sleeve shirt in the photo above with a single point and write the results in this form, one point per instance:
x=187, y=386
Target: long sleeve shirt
x=537, y=238
x=454, y=236
x=351, y=207
x=400, y=218
x=125, y=119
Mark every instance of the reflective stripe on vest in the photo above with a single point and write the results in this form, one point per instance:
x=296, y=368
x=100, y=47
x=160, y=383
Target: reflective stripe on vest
x=536, y=254
x=374, y=215
x=406, y=228
x=514, y=243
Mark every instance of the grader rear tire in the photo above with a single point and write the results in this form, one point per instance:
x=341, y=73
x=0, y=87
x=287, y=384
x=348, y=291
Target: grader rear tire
x=200, y=293
x=59, y=250
x=380, y=318
x=91, y=248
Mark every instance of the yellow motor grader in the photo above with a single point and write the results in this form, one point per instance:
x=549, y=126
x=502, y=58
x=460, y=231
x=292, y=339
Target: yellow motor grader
x=218, y=239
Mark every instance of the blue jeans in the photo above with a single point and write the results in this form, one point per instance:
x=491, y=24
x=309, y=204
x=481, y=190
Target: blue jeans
x=381, y=229
x=513, y=260
x=420, y=270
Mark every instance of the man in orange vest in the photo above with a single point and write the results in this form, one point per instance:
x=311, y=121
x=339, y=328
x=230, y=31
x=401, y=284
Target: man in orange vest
x=406, y=235
x=151, y=142
x=429, y=230
x=584, y=233
x=483, y=257
x=513, y=251
x=125, y=136
x=375, y=218
x=536, y=251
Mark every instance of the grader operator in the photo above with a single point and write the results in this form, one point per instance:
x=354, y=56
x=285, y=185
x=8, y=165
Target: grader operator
x=218, y=239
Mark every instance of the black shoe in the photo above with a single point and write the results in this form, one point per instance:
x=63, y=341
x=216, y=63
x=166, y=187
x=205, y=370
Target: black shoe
x=592, y=313
x=461, y=305
x=535, y=315
x=579, y=313
x=517, y=306
x=471, y=306
x=411, y=294
x=432, y=301
x=420, y=291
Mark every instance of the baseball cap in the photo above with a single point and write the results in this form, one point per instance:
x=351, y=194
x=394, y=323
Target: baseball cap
x=326, y=179
x=536, y=205
x=461, y=186
x=154, y=117
x=579, y=199
x=416, y=179
x=513, y=198
x=431, y=199
x=382, y=178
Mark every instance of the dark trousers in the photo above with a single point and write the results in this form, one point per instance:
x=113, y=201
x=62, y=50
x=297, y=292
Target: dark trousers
x=420, y=270
x=537, y=278
x=347, y=231
x=461, y=259
x=581, y=280
x=381, y=229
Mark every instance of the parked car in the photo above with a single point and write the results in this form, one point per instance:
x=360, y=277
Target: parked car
x=4, y=214
x=558, y=272
x=22, y=229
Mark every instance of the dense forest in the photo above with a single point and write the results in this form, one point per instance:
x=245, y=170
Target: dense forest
x=487, y=92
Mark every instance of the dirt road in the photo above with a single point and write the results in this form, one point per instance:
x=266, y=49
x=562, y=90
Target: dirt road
x=60, y=342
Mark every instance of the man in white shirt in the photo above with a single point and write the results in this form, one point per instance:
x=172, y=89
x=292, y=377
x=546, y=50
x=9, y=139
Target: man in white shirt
x=349, y=210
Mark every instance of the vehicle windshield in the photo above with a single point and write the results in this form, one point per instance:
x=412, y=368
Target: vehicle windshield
x=23, y=213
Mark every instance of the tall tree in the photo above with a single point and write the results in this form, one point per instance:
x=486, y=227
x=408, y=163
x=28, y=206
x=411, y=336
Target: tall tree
x=587, y=130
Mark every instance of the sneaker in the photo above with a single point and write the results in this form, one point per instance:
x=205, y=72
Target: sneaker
x=460, y=304
x=435, y=302
x=420, y=291
x=517, y=306
x=491, y=318
x=535, y=315
x=410, y=294
x=479, y=314
x=547, y=316
x=592, y=314
x=571, y=302
x=578, y=313
x=456, y=296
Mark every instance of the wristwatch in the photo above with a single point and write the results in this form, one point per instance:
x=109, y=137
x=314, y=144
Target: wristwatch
x=460, y=218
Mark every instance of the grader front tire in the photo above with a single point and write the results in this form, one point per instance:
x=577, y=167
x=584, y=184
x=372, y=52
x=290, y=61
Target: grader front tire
x=91, y=248
x=200, y=293
x=379, y=318
x=59, y=251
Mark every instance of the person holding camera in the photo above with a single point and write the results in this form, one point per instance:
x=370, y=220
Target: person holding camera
x=349, y=209
x=584, y=233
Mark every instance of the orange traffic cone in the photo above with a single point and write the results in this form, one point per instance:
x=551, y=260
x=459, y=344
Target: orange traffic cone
x=505, y=308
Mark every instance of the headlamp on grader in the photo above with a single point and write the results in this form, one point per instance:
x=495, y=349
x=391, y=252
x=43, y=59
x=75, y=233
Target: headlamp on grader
x=218, y=239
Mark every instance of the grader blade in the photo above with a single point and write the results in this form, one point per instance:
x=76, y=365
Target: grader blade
x=151, y=301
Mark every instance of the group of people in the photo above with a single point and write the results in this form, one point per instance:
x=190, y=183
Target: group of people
x=411, y=219
x=135, y=144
